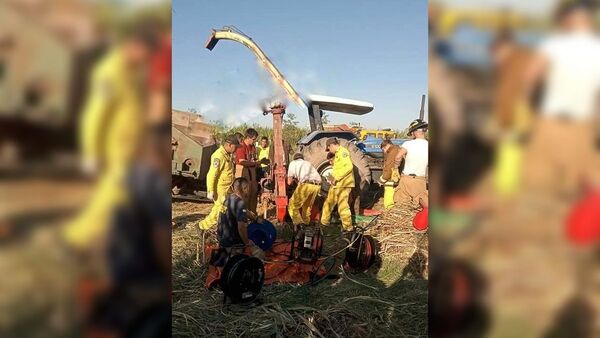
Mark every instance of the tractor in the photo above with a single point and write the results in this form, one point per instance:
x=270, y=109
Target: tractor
x=367, y=168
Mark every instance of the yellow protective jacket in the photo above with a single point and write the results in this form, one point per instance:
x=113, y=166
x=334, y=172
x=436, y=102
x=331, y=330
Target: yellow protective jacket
x=343, y=169
x=112, y=120
x=220, y=174
x=111, y=127
x=262, y=153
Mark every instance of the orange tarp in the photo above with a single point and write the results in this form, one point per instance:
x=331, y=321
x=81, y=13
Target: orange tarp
x=278, y=267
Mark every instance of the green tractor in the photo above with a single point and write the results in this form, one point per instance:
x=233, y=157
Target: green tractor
x=192, y=144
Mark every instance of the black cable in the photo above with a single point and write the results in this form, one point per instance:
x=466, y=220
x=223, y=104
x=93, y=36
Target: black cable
x=316, y=269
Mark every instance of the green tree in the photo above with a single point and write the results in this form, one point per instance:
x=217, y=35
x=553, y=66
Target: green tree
x=289, y=119
x=292, y=133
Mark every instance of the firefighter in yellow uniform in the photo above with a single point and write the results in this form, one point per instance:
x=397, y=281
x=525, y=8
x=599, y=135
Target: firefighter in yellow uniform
x=309, y=185
x=219, y=180
x=111, y=128
x=391, y=175
x=263, y=155
x=342, y=183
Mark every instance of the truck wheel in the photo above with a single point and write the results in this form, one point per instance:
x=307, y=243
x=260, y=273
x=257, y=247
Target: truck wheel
x=315, y=153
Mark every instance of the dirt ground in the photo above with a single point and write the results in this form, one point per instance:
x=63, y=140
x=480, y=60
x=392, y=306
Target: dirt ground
x=528, y=266
x=388, y=300
x=36, y=283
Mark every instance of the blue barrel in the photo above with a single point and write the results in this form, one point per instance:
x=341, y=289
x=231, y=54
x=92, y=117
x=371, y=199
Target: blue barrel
x=262, y=234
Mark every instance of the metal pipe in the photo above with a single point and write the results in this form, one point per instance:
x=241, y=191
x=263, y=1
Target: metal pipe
x=227, y=33
x=422, y=111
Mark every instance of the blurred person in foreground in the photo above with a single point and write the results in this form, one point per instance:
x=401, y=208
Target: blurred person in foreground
x=561, y=156
x=512, y=116
x=136, y=299
x=391, y=175
x=219, y=179
x=159, y=79
x=111, y=128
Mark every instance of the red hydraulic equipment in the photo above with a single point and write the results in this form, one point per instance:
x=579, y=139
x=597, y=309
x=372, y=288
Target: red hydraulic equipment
x=278, y=172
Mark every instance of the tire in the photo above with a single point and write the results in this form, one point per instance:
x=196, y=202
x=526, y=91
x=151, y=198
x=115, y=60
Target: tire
x=316, y=154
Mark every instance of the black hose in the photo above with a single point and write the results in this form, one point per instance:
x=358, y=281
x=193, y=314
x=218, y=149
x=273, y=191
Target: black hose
x=316, y=269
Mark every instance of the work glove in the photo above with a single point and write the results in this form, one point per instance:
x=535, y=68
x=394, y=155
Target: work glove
x=204, y=226
x=211, y=195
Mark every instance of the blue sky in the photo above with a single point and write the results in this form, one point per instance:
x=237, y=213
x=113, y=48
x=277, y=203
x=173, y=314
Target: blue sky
x=534, y=7
x=373, y=51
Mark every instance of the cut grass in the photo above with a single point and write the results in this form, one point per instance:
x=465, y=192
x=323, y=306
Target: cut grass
x=389, y=300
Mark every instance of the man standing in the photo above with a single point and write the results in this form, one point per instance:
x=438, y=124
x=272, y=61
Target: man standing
x=309, y=185
x=412, y=188
x=561, y=152
x=263, y=155
x=219, y=179
x=342, y=182
x=108, y=137
x=391, y=176
x=246, y=165
x=512, y=118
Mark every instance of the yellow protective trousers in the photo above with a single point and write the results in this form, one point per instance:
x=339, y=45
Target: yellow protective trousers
x=507, y=175
x=389, y=189
x=301, y=202
x=388, y=196
x=92, y=223
x=338, y=196
x=210, y=221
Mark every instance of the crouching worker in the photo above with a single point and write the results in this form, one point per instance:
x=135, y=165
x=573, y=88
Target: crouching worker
x=232, y=227
x=309, y=185
x=232, y=232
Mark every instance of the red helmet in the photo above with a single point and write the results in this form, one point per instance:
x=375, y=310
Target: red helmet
x=421, y=220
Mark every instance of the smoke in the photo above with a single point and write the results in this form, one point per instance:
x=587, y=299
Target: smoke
x=207, y=108
x=243, y=115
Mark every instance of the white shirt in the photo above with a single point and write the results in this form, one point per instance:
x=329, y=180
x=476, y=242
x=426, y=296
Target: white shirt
x=303, y=171
x=573, y=79
x=417, y=157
